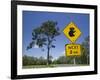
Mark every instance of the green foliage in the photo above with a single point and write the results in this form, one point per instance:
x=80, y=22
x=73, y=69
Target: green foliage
x=44, y=35
x=27, y=60
x=84, y=58
x=63, y=60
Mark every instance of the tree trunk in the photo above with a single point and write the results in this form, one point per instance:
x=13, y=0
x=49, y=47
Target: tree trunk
x=48, y=50
x=87, y=59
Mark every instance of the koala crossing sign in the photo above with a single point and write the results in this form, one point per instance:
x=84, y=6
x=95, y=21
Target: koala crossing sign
x=72, y=32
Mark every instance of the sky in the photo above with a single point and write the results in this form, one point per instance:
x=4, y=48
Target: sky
x=33, y=19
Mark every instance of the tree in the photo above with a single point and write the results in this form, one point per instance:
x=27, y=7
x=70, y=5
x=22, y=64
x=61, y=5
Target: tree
x=27, y=60
x=50, y=59
x=42, y=61
x=44, y=35
x=86, y=49
x=84, y=58
x=63, y=60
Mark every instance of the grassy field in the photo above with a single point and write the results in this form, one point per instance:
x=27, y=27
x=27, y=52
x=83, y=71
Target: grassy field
x=53, y=65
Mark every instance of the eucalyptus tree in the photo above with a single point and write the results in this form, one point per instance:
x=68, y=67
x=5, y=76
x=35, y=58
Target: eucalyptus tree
x=44, y=35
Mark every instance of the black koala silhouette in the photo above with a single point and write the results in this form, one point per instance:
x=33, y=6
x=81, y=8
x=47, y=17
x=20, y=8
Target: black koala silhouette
x=71, y=32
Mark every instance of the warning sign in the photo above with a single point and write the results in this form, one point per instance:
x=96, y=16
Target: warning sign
x=73, y=49
x=72, y=32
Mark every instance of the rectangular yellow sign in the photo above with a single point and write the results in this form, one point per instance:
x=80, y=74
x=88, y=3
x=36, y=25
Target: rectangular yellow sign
x=73, y=50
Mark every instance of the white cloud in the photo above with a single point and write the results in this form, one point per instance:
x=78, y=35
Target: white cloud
x=36, y=46
x=63, y=52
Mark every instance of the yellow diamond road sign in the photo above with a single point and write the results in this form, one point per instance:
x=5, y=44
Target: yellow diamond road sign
x=73, y=50
x=72, y=32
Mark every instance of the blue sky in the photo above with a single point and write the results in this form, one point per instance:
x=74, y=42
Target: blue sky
x=33, y=19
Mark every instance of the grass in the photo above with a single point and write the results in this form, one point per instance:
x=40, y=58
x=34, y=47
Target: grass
x=39, y=66
x=53, y=65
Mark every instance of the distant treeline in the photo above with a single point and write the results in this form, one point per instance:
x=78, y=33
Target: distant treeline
x=27, y=60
